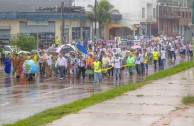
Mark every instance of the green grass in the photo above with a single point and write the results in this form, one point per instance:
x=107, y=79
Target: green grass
x=188, y=100
x=52, y=114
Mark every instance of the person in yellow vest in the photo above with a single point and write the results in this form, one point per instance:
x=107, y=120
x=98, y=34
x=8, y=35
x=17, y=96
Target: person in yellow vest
x=35, y=57
x=145, y=60
x=56, y=42
x=97, y=70
x=131, y=62
x=155, y=56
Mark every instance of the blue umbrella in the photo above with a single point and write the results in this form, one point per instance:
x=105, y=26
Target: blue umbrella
x=81, y=48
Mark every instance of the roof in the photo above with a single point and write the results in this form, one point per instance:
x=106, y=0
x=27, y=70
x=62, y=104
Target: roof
x=29, y=5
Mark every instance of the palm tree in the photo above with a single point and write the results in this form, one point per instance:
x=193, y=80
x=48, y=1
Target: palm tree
x=104, y=11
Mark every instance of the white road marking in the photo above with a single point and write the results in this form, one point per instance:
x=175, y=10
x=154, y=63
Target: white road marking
x=4, y=104
x=57, y=91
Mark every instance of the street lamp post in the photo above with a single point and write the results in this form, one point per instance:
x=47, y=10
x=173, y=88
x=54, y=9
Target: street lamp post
x=37, y=37
x=63, y=22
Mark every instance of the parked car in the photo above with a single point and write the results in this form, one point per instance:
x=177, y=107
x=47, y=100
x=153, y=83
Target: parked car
x=10, y=49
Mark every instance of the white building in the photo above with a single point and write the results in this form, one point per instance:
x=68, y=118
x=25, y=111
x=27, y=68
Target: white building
x=137, y=15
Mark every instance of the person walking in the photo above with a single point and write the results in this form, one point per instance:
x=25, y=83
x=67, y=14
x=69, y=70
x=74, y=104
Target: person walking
x=163, y=57
x=173, y=54
x=7, y=66
x=145, y=60
x=61, y=63
x=97, y=70
x=155, y=56
x=49, y=65
x=131, y=62
x=41, y=60
x=82, y=68
x=110, y=65
x=89, y=63
x=138, y=63
x=117, y=66
x=104, y=63
x=141, y=62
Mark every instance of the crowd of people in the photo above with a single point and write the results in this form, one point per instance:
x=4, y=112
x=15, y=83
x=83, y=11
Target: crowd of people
x=103, y=59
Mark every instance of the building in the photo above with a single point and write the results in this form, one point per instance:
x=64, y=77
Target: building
x=43, y=19
x=137, y=16
x=174, y=18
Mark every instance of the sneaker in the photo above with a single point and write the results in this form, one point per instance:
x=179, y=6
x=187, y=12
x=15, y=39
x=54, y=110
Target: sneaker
x=61, y=78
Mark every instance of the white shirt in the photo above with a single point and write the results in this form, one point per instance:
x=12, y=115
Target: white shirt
x=41, y=59
x=137, y=61
x=124, y=53
x=49, y=60
x=61, y=62
x=110, y=61
x=163, y=54
x=105, y=60
x=117, y=63
x=141, y=58
x=81, y=63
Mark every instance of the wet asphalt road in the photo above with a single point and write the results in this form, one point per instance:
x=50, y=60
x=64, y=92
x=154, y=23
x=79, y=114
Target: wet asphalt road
x=19, y=100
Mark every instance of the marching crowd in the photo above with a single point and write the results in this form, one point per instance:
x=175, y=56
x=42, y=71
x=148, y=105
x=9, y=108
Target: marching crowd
x=105, y=59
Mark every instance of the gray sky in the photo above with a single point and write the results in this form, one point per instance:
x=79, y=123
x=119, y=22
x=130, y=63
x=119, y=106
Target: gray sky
x=28, y=5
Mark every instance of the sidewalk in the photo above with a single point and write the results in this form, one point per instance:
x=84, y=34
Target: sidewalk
x=156, y=104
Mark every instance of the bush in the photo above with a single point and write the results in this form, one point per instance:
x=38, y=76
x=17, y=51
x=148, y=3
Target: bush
x=24, y=42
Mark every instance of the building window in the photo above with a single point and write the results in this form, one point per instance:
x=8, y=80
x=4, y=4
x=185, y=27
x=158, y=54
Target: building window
x=179, y=14
x=76, y=33
x=189, y=14
x=186, y=14
x=143, y=12
x=154, y=12
x=183, y=14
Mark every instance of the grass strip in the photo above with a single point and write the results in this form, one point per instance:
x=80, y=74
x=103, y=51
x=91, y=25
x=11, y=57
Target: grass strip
x=188, y=100
x=52, y=114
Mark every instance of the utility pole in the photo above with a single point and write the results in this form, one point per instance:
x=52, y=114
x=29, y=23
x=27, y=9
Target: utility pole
x=95, y=5
x=63, y=22
x=158, y=14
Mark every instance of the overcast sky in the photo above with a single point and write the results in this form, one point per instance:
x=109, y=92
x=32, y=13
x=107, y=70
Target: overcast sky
x=28, y=5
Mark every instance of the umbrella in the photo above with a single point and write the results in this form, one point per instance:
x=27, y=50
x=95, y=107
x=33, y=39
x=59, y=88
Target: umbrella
x=81, y=48
x=110, y=41
x=99, y=41
x=136, y=47
x=58, y=50
x=51, y=49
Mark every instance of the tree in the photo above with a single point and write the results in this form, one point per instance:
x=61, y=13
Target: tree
x=24, y=42
x=104, y=11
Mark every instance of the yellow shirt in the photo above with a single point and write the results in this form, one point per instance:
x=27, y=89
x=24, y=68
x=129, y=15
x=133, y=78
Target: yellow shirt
x=145, y=58
x=35, y=57
x=155, y=55
x=97, y=66
x=57, y=41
